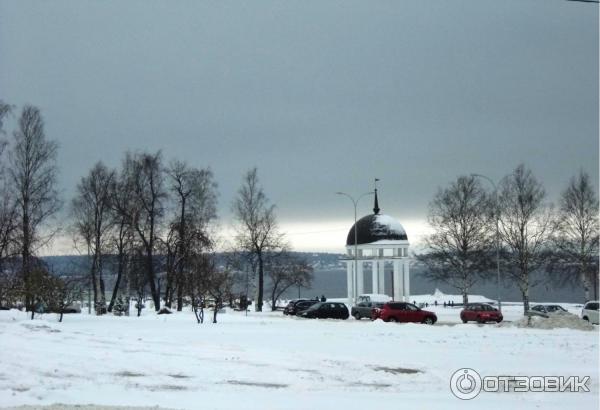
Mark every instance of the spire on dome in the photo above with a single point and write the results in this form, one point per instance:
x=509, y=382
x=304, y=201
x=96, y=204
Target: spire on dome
x=376, y=206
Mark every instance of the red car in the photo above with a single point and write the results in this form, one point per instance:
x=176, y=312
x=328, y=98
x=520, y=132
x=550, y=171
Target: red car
x=403, y=312
x=481, y=313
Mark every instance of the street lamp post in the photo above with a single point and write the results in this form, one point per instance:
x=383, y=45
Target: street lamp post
x=497, y=214
x=354, y=274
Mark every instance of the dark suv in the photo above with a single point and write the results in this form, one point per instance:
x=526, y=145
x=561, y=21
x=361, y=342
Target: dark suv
x=298, y=305
x=403, y=312
x=325, y=310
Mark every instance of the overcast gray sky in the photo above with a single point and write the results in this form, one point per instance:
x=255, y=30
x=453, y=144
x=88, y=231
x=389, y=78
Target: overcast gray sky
x=322, y=96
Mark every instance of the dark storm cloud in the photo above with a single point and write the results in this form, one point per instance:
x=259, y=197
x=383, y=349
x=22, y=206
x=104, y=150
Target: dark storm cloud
x=322, y=96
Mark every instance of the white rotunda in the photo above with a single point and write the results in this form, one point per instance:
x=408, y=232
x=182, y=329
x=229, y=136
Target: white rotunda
x=379, y=243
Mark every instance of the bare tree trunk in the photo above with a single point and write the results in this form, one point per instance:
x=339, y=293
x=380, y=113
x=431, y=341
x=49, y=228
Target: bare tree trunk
x=117, y=282
x=273, y=300
x=169, y=290
x=465, y=297
x=26, y=260
x=180, y=297
x=525, y=293
x=586, y=283
x=94, y=283
x=215, y=312
x=183, y=246
x=151, y=279
x=261, y=284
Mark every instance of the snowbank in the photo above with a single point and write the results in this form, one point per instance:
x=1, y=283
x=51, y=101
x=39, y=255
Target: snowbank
x=553, y=321
x=268, y=360
x=442, y=297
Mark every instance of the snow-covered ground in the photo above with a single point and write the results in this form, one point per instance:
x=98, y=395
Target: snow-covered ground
x=269, y=361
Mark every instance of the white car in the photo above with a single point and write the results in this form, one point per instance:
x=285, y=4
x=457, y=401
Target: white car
x=590, y=312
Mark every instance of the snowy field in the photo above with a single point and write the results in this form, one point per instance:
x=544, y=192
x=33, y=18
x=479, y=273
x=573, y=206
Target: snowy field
x=268, y=361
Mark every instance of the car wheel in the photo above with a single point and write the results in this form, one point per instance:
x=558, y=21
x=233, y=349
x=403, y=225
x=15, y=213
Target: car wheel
x=392, y=319
x=499, y=320
x=357, y=316
x=586, y=318
x=428, y=321
x=480, y=320
x=464, y=320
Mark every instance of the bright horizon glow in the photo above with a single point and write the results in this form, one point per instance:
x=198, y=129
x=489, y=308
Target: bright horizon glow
x=324, y=236
x=307, y=236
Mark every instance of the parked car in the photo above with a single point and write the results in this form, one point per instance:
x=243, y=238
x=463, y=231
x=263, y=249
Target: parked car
x=481, y=313
x=72, y=308
x=373, y=297
x=325, y=310
x=549, y=309
x=44, y=308
x=403, y=312
x=365, y=309
x=590, y=312
x=298, y=305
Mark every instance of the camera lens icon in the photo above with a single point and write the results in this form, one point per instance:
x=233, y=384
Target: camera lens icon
x=465, y=384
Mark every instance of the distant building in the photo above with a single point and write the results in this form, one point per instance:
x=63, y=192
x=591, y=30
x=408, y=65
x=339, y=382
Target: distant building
x=381, y=241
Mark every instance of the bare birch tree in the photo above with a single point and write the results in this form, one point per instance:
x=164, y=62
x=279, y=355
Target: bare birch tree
x=8, y=217
x=121, y=237
x=33, y=173
x=10, y=285
x=257, y=230
x=195, y=198
x=526, y=226
x=91, y=210
x=218, y=284
x=458, y=251
x=576, y=237
x=145, y=183
x=286, y=271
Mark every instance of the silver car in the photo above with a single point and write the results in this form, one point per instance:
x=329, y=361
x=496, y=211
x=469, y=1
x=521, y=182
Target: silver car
x=364, y=309
x=549, y=309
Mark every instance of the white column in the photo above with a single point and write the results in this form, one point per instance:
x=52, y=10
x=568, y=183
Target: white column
x=349, y=282
x=406, y=281
x=381, y=283
x=360, y=288
x=398, y=281
x=375, y=276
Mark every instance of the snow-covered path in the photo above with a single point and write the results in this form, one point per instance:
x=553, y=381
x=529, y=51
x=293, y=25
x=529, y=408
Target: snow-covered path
x=268, y=361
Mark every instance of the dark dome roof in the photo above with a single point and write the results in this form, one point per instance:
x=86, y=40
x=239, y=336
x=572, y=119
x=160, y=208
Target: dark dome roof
x=375, y=227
